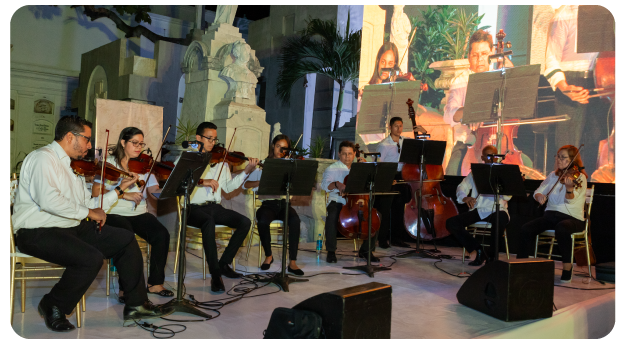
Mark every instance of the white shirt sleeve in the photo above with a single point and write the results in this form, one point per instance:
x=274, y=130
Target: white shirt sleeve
x=463, y=189
x=557, y=38
x=229, y=184
x=253, y=177
x=456, y=99
x=546, y=184
x=327, y=179
x=44, y=189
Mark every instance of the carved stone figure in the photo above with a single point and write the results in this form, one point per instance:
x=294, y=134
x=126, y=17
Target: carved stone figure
x=241, y=81
x=276, y=130
x=225, y=14
x=400, y=30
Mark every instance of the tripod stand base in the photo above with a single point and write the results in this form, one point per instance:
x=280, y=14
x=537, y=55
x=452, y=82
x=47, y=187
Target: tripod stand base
x=185, y=306
x=421, y=253
x=368, y=269
x=283, y=281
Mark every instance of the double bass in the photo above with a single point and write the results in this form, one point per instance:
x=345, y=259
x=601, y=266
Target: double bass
x=436, y=208
x=353, y=216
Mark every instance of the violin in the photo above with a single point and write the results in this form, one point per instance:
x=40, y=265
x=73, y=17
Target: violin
x=436, y=208
x=143, y=162
x=353, y=216
x=574, y=173
x=92, y=168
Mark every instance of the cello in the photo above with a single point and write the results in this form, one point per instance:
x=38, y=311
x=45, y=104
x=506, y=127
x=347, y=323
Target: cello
x=353, y=216
x=436, y=208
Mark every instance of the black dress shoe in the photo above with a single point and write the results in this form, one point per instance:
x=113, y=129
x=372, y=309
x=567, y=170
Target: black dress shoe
x=54, y=318
x=383, y=244
x=146, y=311
x=400, y=244
x=217, y=284
x=267, y=266
x=298, y=272
x=480, y=258
x=227, y=271
x=373, y=258
x=331, y=257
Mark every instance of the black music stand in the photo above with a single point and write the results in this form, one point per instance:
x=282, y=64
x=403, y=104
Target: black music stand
x=370, y=178
x=288, y=177
x=183, y=179
x=421, y=152
x=498, y=180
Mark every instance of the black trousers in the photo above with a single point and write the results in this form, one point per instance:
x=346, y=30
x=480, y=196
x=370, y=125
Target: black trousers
x=275, y=210
x=391, y=209
x=206, y=217
x=82, y=250
x=564, y=225
x=330, y=229
x=456, y=226
x=154, y=233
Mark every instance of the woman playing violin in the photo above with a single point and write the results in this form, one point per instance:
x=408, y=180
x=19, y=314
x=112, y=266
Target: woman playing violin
x=565, y=207
x=130, y=211
x=273, y=208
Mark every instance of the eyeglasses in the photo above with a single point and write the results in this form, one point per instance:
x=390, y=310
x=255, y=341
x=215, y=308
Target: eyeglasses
x=77, y=134
x=214, y=140
x=138, y=144
x=562, y=157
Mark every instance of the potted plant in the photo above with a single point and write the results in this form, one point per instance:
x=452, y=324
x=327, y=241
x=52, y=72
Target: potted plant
x=185, y=131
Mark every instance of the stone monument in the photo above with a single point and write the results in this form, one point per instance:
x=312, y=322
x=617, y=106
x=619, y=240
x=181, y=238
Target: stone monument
x=399, y=35
x=221, y=74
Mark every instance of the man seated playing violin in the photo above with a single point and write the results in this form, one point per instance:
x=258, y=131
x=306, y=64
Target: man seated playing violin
x=482, y=208
x=205, y=210
x=332, y=182
x=49, y=222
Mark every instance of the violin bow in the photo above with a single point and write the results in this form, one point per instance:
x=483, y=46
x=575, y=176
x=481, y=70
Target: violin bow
x=102, y=180
x=296, y=145
x=225, y=154
x=154, y=160
x=567, y=168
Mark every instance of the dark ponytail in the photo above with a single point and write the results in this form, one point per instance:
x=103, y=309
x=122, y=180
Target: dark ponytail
x=117, y=150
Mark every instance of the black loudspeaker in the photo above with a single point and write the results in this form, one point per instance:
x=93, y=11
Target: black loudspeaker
x=510, y=290
x=363, y=311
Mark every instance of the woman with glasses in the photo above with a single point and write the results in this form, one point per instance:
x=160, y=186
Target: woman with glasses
x=130, y=211
x=565, y=210
x=273, y=208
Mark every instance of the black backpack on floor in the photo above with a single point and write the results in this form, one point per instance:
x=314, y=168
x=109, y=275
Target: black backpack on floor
x=287, y=323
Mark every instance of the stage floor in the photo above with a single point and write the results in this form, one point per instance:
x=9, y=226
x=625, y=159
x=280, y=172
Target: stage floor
x=423, y=297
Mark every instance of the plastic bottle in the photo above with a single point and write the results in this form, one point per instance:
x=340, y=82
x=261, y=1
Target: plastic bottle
x=318, y=247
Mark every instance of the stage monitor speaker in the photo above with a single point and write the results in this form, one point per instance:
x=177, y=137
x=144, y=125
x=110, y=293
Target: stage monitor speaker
x=362, y=311
x=510, y=290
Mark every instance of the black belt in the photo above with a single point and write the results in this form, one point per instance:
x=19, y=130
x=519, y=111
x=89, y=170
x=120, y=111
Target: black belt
x=205, y=203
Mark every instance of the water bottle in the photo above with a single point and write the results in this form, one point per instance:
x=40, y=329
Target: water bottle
x=318, y=247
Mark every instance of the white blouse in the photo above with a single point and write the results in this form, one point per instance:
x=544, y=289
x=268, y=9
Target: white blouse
x=574, y=207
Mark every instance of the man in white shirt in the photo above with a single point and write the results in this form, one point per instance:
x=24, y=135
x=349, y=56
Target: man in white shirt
x=572, y=73
x=482, y=208
x=391, y=208
x=49, y=223
x=332, y=182
x=205, y=210
x=481, y=46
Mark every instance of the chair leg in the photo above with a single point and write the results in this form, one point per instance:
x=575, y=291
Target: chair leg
x=148, y=259
x=249, y=243
x=463, y=256
x=260, y=248
x=551, y=247
x=536, y=245
x=177, y=250
x=23, y=292
x=13, y=262
x=506, y=245
x=588, y=257
x=108, y=280
x=79, y=316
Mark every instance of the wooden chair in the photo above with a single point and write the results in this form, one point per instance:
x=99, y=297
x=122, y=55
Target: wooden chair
x=194, y=236
x=276, y=228
x=579, y=240
x=483, y=228
x=22, y=263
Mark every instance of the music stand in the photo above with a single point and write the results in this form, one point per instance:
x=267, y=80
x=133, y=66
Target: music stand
x=508, y=92
x=498, y=180
x=278, y=178
x=421, y=152
x=184, y=178
x=370, y=178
